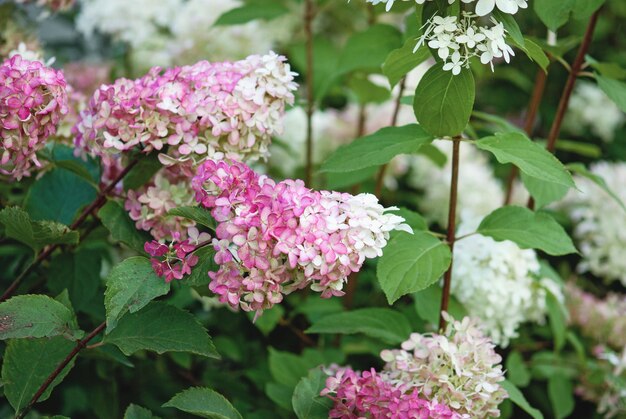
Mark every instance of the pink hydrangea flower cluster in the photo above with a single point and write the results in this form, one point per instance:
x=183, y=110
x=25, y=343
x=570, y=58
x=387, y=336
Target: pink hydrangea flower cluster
x=459, y=368
x=273, y=238
x=33, y=100
x=200, y=111
x=369, y=394
x=148, y=206
x=601, y=319
x=175, y=260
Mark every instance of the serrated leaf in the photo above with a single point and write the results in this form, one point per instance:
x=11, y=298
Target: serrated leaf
x=529, y=157
x=130, y=286
x=306, y=401
x=121, y=227
x=518, y=398
x=385, y=324
x=614, y=89
x=27, y=364
x=401, y=61
x=203, y=402
x=35, y=234
x=368, y=50
x=410, y=263
x=59, y=195
x=527, y=229
x=161, y=327
x=200, y=215
x=36, y=316
x=377, y=149
x=250, y=12
x=134, y=411
x=443, y=102
x=561, y=395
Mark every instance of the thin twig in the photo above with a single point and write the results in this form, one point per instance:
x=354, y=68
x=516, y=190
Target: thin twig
x=380, y=177
x=94, y=206
x=454, y=183
x=555, y=130
x=80, y=345
x=309, y=14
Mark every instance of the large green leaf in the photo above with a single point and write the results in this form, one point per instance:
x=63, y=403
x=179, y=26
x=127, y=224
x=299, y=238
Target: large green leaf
x=614, y=89
x=543, y=192
x=161, y=327
x=35, y=234
x=377, y=149
x=134, y=411
x=121, y=227
x=532, y=159
x=368, y=50
x=385, y=324
x=443, y=102
x=402, y=60
x=27, y=364
x=36, y=316
x=410, y=263
x=203, y=402
x=131, y=285
x=556, y=13
x=529, y=230
x=77, y=272
x=561, y=394
x=518, y=398
x=307, y=402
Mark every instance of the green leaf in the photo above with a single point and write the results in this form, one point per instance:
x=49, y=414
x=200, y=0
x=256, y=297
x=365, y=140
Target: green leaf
x=607, y=69
x=402, y=60
x=200, y=215
x=561, y=394
x=529, y=230
x=558, y=320
x=412, y=218
x=121, y=227
x=614, y=89
x=58, y=196
x=161, y=327
x=77, y=272
x=250, y=12
x=529, y=157
x=307, y=402
x=443, y=102
x=428, y=302
x=410, y=263
x=35, y=234
x=556, y=13
x=287, y=368
x=581, y=170
x=137, y=412
x=366, y=91
x=518, y=398
x=517, y=371
x=536, y=54
x=78, y=169
x=511, y=26
x=385, y=324
x=130, y=286
x=142, y=172
x=377, y=149
x=269, y=320
x=326, y=56
x=542, y=192
x=36, y=316
x=368, y=50
x=206, y=263
x=203, y=402
x=279, y=394
x=27, y=364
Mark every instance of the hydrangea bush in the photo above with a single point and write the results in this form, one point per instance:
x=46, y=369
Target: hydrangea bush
x=312, y=209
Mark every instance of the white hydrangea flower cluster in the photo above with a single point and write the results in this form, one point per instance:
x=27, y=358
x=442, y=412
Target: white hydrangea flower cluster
x=590, y=108
x=480, y=192
x=499, y=284
x=598, y=219
x=459, y=39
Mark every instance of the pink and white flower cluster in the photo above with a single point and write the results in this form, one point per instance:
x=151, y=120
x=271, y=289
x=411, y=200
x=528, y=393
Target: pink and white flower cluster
x=200, y=111
x=454, y=375
x=33, y=99
x=459, y=368
x=601, y=319
x=274, y=238
x=369, y=394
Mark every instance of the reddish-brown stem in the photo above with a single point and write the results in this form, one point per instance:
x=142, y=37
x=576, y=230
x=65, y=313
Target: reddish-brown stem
x=80, y=345
x=531, y=116
x=309, y=14
x=451, y=234
x=94, y=206
x=555, y=129
x=380, y=177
